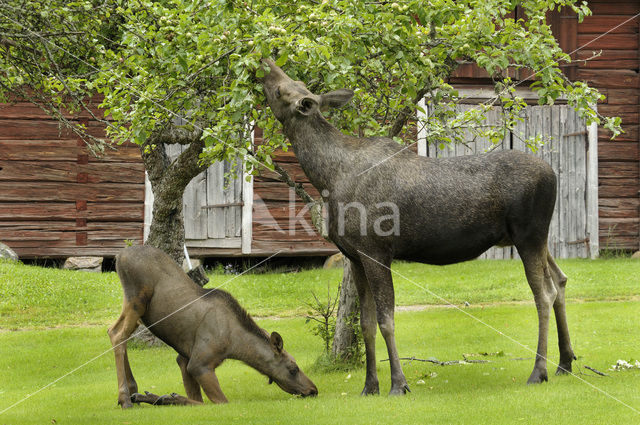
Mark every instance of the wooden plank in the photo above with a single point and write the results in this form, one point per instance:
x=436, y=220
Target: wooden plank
x=52, y=171
x=278, y=191
x=599, y=24
x=215, y=243
x=68, y=171
x=215, y=195
x=628, y=113
x=70, y=192
x=265, y=248
x=193, y=201
x=630, y=134
x=611, y=78
x=115, y=172
x=606, y=55
x=618, y=188
x=66, y=211
x=612, y=170
x=623, y=97
x=42, y=150
x=619, y=207
x=247, y=213
x=604, y=7
x=618, y=151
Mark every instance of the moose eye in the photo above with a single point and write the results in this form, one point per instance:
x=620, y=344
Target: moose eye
x=294, y=371
x=278, y=93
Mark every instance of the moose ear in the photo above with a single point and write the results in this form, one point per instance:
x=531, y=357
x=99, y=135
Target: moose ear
x=336, y=98
x=276, y=342
x=307, y=105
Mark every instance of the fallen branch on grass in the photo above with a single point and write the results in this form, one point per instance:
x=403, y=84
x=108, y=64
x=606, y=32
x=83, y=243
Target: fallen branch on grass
x=438, y=362
x=595, y=370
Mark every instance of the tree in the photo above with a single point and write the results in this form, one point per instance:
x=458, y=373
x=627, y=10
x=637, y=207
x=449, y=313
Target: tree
x=154, y=61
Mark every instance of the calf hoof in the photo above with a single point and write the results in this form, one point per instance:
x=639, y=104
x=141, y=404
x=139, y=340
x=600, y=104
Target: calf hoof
x=537, y=377
x=400, y=390
x=124, y=403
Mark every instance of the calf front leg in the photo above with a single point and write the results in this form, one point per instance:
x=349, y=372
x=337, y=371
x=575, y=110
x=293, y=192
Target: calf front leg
x=191, y=386
x=201, y=367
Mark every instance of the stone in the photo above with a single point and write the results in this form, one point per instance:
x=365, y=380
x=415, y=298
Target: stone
x=87, y=264
x=195, y=263
x=636, y=255
x=334, y=262
x=7, y=253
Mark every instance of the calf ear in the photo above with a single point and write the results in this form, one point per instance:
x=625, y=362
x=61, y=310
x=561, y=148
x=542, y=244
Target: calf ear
x=276, y=342
x=336, y=99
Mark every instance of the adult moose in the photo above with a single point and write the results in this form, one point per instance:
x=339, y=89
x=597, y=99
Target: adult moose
x=448, y=211
x=205, y=327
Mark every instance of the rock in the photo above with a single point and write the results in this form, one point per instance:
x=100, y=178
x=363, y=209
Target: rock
x=335, y=261
x=636, y=255
x=195, y=263
x=87, y=264
x=7, y=253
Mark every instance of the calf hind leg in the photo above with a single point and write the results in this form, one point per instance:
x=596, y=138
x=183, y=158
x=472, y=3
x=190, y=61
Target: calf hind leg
x=564, y=342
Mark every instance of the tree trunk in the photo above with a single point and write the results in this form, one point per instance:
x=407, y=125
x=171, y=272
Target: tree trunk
x=168, y=182
x=345, y=340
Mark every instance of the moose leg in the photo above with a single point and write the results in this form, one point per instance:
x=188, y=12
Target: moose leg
x=131, y=382
x=201, y=367
x=119, y=333
x=191, y=386
x=369, y=327
x=544, y=291
x=379, y=277
x=564, y=342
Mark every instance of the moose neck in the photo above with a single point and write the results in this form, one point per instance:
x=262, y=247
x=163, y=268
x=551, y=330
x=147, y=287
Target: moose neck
x=320, y=149
x=255, y=351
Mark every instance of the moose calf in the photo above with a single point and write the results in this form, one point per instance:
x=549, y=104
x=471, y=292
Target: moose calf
x=205, y=327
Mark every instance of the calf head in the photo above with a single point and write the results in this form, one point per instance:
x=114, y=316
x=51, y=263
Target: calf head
x=289, y=99
x=286, y=373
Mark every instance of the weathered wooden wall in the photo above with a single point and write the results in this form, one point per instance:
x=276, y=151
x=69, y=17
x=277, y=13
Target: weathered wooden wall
x=58, y=200
x=616, y=74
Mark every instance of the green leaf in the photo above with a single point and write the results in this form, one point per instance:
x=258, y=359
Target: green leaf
x=282, y=59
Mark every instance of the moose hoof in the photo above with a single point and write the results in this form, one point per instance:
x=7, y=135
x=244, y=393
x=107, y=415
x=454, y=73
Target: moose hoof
x=370, y=390
x=401, y=390
x=563, y=369
x=537, y=377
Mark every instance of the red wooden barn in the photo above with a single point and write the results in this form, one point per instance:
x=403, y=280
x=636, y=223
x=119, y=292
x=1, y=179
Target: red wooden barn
x=57, y=200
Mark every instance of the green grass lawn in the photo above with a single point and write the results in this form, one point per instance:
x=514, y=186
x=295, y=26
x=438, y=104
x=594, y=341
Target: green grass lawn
x=604, y=329
x=34, y=297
